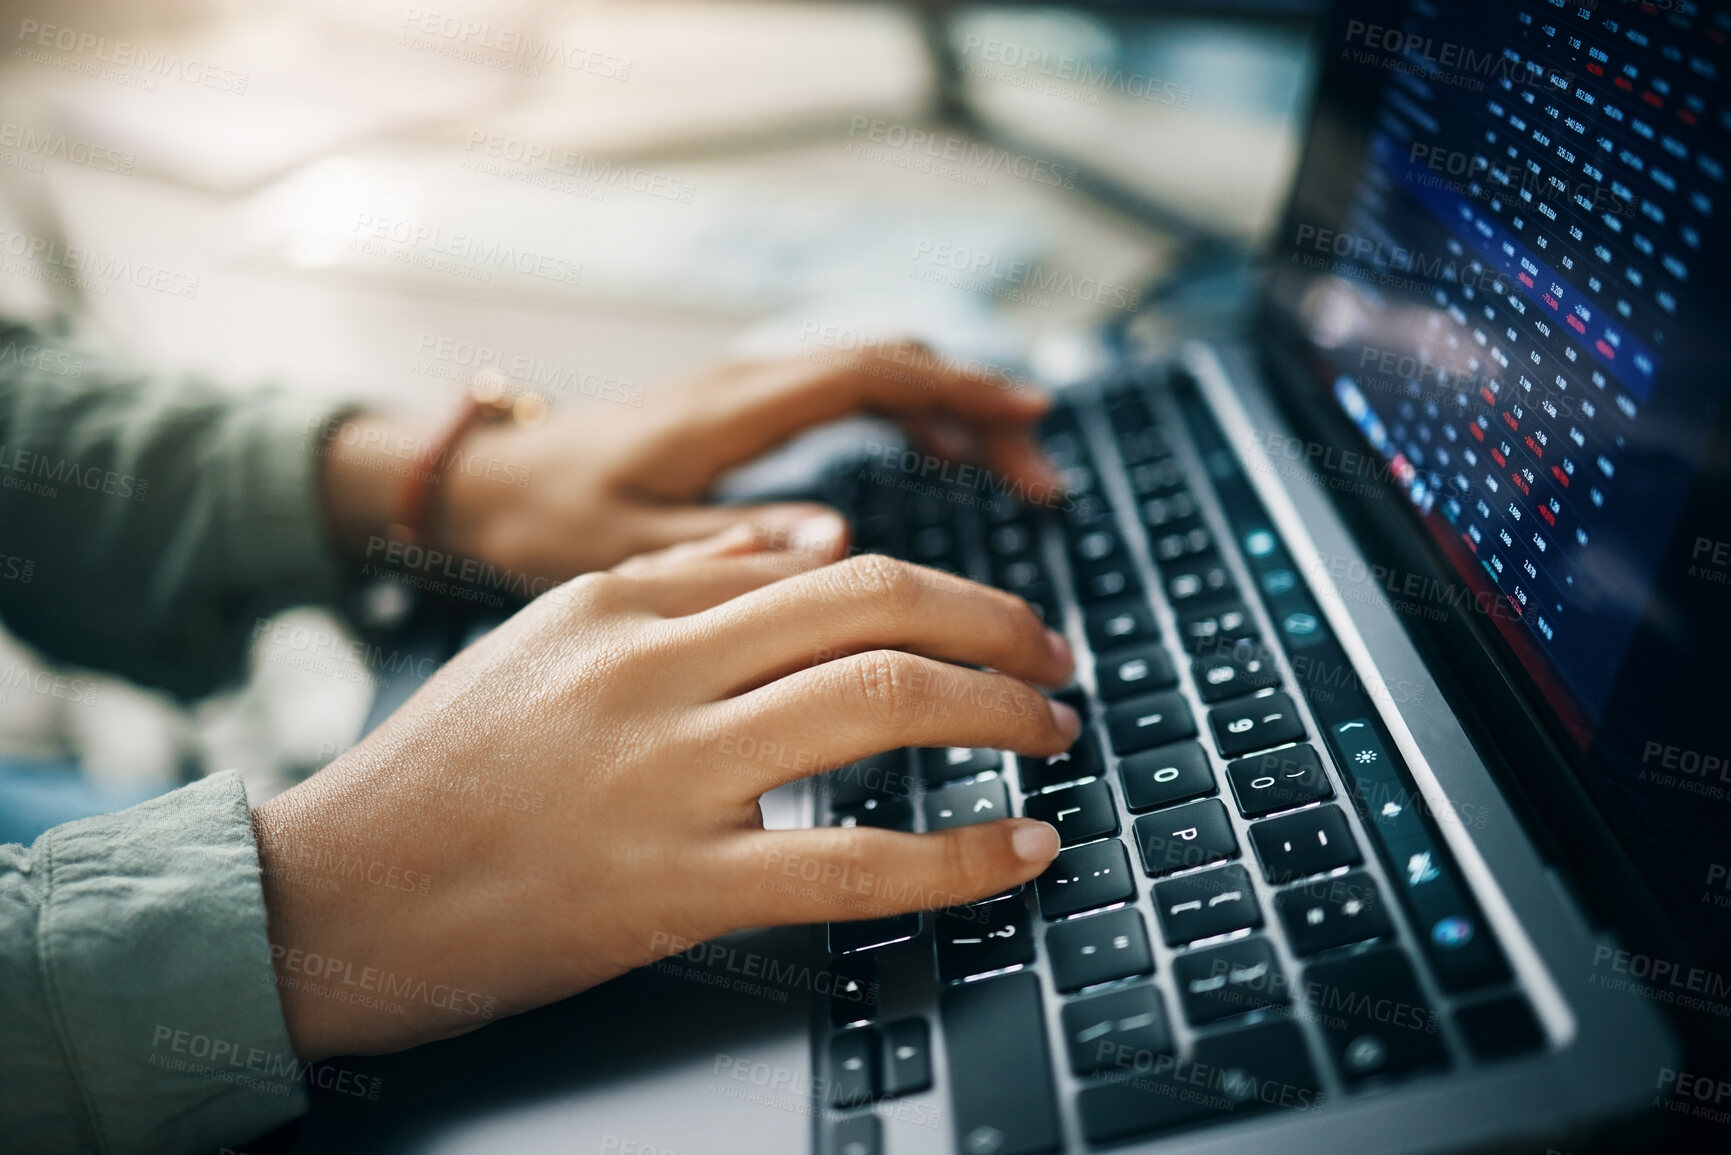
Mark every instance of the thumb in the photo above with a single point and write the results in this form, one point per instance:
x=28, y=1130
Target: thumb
x=729, y=530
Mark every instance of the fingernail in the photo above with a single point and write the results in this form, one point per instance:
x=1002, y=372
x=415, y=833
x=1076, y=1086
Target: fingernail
x=1060, y=649
x=1069, y=722
x=1035, y=842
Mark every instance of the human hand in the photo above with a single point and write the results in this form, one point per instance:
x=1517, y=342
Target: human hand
x=606, y=482
x=561, y=791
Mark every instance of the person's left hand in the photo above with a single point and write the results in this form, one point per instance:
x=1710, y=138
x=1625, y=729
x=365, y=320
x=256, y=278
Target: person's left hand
x=597, y=483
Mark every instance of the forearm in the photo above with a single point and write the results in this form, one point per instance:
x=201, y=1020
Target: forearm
x=160, y=517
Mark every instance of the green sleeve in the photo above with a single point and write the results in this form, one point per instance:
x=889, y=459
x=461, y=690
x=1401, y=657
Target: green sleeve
x=137, y=1008
x=147, y=523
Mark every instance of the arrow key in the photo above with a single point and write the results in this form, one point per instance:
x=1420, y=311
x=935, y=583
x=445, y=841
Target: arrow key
x=907, y=1058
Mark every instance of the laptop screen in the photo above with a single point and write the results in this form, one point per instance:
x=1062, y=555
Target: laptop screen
x=1505, y=256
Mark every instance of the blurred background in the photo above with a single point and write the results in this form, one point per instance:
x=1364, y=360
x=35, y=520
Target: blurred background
x=373, y=200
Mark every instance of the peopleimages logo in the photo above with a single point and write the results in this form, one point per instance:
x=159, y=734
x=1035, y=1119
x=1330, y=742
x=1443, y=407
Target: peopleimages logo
x=153, y=62
x=1459, y=64
x=992, y=274
x=959, y=150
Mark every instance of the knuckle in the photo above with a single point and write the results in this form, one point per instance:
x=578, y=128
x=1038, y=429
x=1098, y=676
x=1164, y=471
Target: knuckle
x=881, y=683
x=606, y=590
x=876, y=578
x=582, y=595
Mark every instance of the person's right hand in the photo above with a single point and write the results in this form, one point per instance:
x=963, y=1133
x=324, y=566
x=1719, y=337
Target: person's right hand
x=578, y=791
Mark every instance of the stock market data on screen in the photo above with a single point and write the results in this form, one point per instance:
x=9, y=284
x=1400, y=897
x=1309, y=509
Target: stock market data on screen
x=1522, y=248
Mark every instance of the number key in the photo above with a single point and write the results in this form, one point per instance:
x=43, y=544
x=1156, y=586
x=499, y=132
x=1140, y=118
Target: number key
x=1278, y=780
x=1257, y=723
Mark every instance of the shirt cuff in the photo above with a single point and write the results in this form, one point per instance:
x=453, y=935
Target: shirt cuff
x=275, y=528
x=156, y=973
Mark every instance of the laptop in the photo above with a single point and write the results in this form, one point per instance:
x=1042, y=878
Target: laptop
x=1401, y=818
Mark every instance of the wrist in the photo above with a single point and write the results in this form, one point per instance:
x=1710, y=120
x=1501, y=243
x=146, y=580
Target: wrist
x=365, y=462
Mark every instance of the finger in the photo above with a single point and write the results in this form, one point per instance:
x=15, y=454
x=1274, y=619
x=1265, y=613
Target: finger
x=681, y=586
x=837, y=874
x=871, y=602
x=903, y=380
x=840, y=711
x=793, y=527
x=1014, y=452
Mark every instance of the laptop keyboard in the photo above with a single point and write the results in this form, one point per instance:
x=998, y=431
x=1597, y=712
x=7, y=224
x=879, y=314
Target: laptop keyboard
x=1252, y=910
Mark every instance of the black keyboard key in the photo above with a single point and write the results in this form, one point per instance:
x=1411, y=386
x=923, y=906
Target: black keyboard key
x=1082, y=760
x=1154, y=720
x=907, y=1058
x=1080, y=813
x=1251, y=724
x=882, y=813
x=1120, y=1029
x=1176, y=544
x=1092, y=547
x=1215, y=627
x=1098, y=948
x=879, y=776
x=853, y=989
x=853, y=1066
x=1165, y=775
x=1331, y=912
x=1001, y=1094
x=1198, y=906
x=1233, y=978
x=1299, y=845
x=1200, y=579
x=1042, y=598
x=1262, y=1067
x=967, y=804
x=1161, y=1097
x=1247, y=668
x=1020, y=575
x=1174, y=511
x=1155, y=477
x=1013, y=539
x=873, y=933
x=1258, y=1068
x=1120, y=623
x=988, y=936
x=856, y=1135
x=1078, y=479
x=1182, y=837
x=1085, y=510
x=1139, y=445
x=1122, y=673
x=935, y=545
x=1084, y=877
x=1077, y=699
x=1373, y=1015
x=1282, y=779
x=947, y=763
x=1107, y=583
x=926, y=509
x=1500, y=1027
x=1062, y=439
